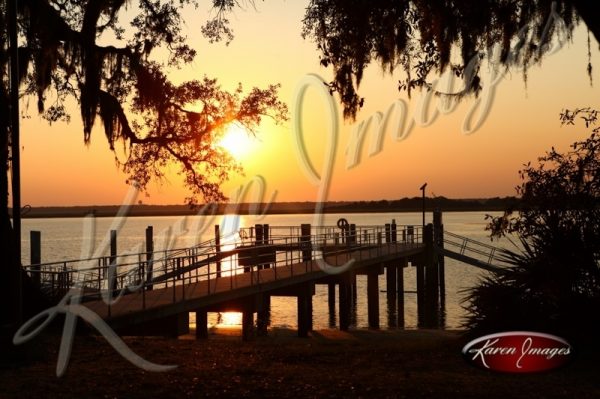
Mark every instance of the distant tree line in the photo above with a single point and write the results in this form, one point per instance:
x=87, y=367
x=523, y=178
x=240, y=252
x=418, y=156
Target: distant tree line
x=400, y=205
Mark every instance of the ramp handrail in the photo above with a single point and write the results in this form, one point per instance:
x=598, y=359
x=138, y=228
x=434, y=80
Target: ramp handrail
x=468, y=247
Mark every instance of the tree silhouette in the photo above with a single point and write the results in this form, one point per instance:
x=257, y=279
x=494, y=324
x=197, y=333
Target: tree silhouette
x=80, y=49
x=554, y=284
x=427, y=38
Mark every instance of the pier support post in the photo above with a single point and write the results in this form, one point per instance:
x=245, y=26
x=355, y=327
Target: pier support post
x=218, y=247
x=352, y=234
x=113, y=246
x=354, y=286
x=305, y=310
x=438, y=235
x=400, y=285
x=201, y=324
x=258, y=241
x=420, y=293
x=442, y=276
x=266, y=236
x=311, y=292
x=305, y=232
x=373, y=297
x=391, y=270
x=344, y=301
x=35, y=240
x=263, y=314
x=112, y=281
x=149, y=256
x=431, y=280
x=248, y=324
x=331, y=303
x=390, y=280
x=258, y=231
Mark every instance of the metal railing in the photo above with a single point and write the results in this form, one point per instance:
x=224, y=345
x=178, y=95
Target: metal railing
x=485, y=253
x=285, y=253
x=55, y=278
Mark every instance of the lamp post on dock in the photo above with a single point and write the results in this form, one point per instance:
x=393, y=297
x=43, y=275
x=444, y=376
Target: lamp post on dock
x=423, y=190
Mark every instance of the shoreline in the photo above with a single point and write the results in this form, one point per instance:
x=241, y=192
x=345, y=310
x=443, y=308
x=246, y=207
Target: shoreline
x=328, y=364
x=288, y=208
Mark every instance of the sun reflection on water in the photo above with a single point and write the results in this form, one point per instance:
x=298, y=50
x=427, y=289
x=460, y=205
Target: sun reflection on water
x=228, y=319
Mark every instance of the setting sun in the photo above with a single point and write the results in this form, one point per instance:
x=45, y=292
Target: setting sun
x=229, y=319
x=237, y=141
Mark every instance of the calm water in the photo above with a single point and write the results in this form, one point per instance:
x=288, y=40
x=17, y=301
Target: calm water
x=64, y=239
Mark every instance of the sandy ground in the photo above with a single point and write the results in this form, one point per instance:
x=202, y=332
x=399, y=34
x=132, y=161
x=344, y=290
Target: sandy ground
x=329, y=364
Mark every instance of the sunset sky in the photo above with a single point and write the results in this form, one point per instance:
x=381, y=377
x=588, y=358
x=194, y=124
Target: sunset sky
x=523, y=122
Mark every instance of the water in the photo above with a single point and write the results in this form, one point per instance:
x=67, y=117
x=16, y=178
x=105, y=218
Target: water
x=64, y=238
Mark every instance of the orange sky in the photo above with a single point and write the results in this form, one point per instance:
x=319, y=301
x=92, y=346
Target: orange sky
x=57, y=169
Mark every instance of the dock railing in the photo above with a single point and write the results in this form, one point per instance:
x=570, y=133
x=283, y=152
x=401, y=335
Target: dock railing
x=286, y=251
x=469, y=248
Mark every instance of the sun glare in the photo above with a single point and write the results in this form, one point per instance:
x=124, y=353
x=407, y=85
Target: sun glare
x=237, y=141
x=230, y=319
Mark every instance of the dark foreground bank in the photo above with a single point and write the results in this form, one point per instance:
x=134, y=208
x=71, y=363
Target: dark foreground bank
x=329, y=364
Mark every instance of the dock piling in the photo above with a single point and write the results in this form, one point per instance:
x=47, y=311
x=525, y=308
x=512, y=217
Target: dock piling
x=149, y=256
x=305, y=234
x=35, y=239
x=112, y=283
x=263, y=314
x=420, y=293
x=304, y=310
x=373, y=297
x=431, y=280
x=391, y=269
x=201, y=324
x=438, y=232
x=344, y=302
x=266, y=234
x=400, y=284
x=248, y=324
x=331, y=303
x=218, y=248
x=352, y=234
x=390, y=279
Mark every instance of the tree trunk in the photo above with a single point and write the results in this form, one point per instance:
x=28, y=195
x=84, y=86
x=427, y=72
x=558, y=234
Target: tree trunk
x=9, y=270
x=20, y=297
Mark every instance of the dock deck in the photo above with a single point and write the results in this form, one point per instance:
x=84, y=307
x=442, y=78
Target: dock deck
x=149, y=290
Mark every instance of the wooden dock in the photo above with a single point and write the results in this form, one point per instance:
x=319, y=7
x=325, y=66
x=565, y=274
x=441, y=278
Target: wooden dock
x=154, y=292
